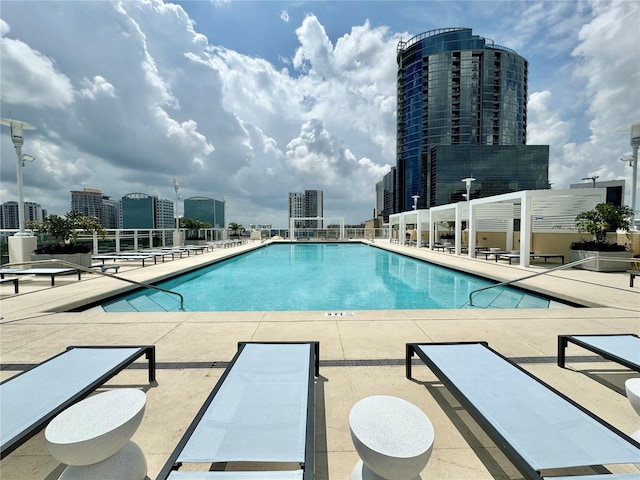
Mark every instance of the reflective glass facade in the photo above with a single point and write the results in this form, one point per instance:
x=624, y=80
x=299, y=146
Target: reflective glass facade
x=138, y=211
x=207, y=210
x=454, y=88
x=497, y=169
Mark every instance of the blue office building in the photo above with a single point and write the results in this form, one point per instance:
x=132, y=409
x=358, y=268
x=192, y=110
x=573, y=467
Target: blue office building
x=459, y=89
x=138, y=211
x=207, y=210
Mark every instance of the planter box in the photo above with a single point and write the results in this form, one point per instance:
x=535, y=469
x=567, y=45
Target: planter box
x=195, y=242
x=82, y=259
x=600, y=265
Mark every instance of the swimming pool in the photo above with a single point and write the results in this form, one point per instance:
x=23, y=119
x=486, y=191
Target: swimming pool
x=331, y=277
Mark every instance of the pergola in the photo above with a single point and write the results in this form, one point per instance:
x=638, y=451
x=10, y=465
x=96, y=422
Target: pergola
x=543, y=211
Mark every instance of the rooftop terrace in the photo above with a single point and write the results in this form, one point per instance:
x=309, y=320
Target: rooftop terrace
x=361, y=355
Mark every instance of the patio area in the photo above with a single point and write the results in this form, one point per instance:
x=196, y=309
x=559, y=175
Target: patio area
x=361, y=354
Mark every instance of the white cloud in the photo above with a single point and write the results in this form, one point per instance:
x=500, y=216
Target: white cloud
x=169, y=97
x=30, y=78
x=604, y=83
x=96, y=86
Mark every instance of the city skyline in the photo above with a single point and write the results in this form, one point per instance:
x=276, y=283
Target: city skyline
x=252, y=100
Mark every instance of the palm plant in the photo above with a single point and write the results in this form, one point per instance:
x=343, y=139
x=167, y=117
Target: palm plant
x=236, y=229
x=194, y=226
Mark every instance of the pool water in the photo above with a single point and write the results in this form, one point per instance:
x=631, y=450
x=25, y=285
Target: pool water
x=334, y=277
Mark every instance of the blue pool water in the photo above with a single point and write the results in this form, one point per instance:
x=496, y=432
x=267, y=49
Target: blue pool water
x=329, y=277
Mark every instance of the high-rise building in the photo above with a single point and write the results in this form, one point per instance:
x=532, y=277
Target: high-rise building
x=388, y=195
x=296, y=205
x=138, y=211
x=306, y=205
x=33, y=212
x=207, y=210
x=165, y=213
x=110, y=213
x=458, y=89
x=87, y=202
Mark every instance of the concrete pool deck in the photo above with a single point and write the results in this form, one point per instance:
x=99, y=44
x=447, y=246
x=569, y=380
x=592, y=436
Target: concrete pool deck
x=361, y=355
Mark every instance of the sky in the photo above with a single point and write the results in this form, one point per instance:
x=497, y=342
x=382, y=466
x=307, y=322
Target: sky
x=249, y=100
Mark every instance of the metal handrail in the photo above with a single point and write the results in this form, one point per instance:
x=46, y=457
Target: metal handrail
x=559, y=267
x=91, y=270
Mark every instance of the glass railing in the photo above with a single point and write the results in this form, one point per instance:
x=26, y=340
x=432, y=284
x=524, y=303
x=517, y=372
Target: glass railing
x=122, y=240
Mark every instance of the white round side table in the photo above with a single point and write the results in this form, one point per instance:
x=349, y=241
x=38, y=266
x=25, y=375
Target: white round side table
x=632, y=389
x=393, y=438
x=96, y=431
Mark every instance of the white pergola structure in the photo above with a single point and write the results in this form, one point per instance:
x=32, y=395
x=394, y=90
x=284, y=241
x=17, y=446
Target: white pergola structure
x=452, y=212
x=539, y=211
x=544, y=211
x=293, y=220
x=419, y=218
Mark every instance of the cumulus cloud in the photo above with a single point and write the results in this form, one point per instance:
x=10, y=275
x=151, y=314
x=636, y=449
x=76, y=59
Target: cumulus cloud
x=603, y=85
x=96, y=86
x=30, y=78
x=170, y=97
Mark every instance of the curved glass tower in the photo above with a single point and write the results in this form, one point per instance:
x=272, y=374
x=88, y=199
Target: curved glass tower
x=454, y=88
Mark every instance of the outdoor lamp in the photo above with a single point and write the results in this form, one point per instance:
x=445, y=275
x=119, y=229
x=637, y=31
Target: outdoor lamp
x=17, y=128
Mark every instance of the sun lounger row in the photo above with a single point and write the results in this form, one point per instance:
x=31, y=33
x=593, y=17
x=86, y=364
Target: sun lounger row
x=50, y=272
x=262, y=408
x=153, y=254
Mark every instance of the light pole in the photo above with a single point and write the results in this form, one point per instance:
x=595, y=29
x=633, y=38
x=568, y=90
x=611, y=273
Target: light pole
x=593, y=179
x=177, y=235
x=176, y=187
x=415, y=201
x=16, y=137
x=635, y=143
x=467, y=182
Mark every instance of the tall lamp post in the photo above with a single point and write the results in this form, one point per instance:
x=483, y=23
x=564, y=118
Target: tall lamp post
x=467, y=182
x=16, y=137
x=593, y=179
x=177, y=234
x=176, y=187
x=22, y=243
x=415, y=201
x=635, y=143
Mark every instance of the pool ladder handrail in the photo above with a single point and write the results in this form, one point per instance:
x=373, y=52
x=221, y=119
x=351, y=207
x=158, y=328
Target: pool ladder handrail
x=91, y=270
x=559, y=267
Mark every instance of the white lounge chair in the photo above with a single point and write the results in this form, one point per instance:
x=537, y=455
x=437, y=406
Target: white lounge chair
x=538, y=428
x=51, y=272
x=32, y=398
x=261, y=410
x=620, y=348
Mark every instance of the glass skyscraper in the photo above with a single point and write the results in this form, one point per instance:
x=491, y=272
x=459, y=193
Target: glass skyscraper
x=207, y=210
x=459, y=89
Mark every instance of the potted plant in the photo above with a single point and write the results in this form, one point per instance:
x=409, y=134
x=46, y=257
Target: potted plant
x=604, y=218
x=236, y=230
x=64, y=231
x=193, y=226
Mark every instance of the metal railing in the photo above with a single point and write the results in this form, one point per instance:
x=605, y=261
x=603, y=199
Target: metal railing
x=91, y=270
x=559, y=267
